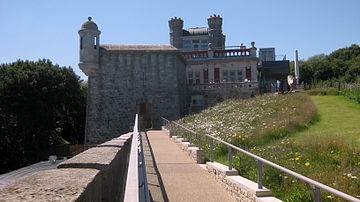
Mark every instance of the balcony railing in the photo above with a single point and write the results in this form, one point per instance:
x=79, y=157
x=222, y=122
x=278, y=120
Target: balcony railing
x=245, y=52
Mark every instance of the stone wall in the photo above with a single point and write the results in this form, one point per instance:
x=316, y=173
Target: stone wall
x=129, y=75
x=97, y=174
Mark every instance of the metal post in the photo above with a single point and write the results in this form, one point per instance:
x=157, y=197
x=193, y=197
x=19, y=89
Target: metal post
x=211, y=150
x=317, y=194
x=259, y=174
x=230, y=157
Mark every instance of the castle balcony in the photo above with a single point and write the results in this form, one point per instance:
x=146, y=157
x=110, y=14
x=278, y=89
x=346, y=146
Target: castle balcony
x=233, y=51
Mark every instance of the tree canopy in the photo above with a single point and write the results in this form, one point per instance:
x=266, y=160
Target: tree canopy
x=341, y=65
x=41, y=104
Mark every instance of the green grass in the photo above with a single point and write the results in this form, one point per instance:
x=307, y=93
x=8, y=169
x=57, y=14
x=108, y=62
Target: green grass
x=338, y=117
x=317, y=137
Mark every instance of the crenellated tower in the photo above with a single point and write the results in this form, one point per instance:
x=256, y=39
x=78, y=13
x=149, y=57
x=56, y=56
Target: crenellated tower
x=176, y=32
x=89, y=47
x=216, y=37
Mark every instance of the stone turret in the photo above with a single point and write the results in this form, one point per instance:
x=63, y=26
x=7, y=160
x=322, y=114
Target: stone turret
x=216, y=37
x=89, y=47
x=176, y=32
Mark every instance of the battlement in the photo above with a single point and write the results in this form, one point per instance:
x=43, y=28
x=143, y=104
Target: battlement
x=176, y=22
x=215, y=20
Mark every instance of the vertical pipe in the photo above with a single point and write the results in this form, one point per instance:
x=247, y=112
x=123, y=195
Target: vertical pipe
x=259, y=174
x=317, y=194
x=230, y=157
x=211, y=150
x=296, y=67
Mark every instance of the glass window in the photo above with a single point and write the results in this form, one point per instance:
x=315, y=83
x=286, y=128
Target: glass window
x=225, y=76
x=187, y=42
x=195, y=41
x=197, y=77
x=239, y=76
x=204, y=41
x=187, y=47
x=204, y=46
x=196, y=46
x=190, y=78
x=232, y=76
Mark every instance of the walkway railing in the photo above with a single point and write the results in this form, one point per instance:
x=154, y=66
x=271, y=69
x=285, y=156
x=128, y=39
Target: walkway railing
x=175, y=127
x=136, y=183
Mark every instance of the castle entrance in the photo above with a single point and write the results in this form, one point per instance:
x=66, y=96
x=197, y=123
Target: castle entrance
x=144, y=111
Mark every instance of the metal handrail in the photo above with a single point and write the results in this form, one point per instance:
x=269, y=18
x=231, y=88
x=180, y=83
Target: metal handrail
x=317, y=185
x=136, y=183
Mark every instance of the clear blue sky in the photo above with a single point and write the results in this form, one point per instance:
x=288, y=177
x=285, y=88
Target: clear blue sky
x=33, y=29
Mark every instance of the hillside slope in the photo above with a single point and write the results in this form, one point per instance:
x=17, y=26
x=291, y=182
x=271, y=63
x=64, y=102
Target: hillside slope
x=279, y=128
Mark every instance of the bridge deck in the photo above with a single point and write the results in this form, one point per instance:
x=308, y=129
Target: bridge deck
x=183, y=180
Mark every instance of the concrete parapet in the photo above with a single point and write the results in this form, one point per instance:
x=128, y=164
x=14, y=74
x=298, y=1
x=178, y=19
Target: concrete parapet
x=239, y=187
x=126, y=136
x=113, y=143
x=56, y=185
x=97, y=174
x=220, y=170
x=111, y=159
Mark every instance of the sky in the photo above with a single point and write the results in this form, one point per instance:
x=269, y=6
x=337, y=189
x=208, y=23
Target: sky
x=36, y=29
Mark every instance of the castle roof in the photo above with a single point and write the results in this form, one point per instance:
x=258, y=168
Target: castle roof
x=140, y=47
x=89, y=25
x=196, y=31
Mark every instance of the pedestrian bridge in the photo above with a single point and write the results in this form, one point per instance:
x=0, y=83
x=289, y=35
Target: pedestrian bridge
x=154, y=165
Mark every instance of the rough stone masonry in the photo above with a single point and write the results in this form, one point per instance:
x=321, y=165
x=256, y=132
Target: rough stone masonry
x=127, y=79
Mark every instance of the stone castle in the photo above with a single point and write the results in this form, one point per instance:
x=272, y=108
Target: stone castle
x=127, y=79
x=195, y=71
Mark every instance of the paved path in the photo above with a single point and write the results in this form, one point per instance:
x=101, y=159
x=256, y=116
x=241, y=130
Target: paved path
x=183, y=179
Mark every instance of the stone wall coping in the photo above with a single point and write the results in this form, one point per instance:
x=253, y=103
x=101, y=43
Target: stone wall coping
x=113, y=143
x=249, y=185
x=222, y=168
x=193, y=148
x=126, y=136
x=179, y=140
x=268, y=199
x=55, y=185
x=96, y=157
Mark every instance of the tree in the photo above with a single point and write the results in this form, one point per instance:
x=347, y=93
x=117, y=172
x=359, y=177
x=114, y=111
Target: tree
x=342, y=64
x=41, y=105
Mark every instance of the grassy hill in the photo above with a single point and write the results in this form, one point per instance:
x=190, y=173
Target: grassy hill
x=316, y=136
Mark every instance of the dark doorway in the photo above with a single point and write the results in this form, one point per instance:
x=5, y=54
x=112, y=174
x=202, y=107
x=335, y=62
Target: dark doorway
x=217, y=75
x=144, y=111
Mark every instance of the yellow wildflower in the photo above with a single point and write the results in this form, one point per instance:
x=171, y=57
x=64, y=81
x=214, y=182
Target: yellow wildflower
x=358, y=163
x=296, y=159
x=243, y=139
x=234, y=135
x=307, y=164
